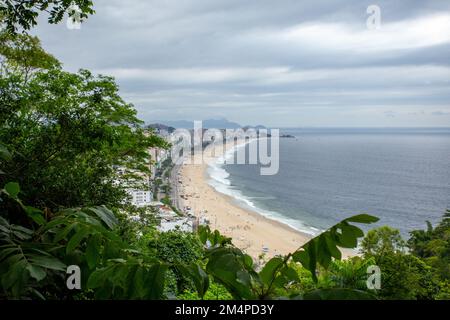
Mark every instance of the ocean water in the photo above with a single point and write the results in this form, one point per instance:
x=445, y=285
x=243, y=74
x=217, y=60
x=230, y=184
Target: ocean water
x=401, y=176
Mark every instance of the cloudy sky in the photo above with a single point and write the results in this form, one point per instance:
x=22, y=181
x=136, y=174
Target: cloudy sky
x=272, y=62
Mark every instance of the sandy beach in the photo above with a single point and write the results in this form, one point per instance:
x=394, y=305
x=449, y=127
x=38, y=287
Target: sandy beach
x=250, y=231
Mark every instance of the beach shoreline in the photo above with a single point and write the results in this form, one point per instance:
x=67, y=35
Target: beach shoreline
x=250, y=231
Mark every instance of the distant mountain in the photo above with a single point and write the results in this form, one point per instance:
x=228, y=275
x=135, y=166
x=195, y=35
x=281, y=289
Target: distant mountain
x=176, y=123
x=161, y=126
x=219, y=123
x=258, y=127
x=207, y=124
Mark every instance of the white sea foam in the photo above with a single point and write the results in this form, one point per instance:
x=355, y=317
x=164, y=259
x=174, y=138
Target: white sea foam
x=219, y=180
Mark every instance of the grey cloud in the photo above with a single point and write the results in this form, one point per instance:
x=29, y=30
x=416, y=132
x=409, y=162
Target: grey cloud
x=266, y=61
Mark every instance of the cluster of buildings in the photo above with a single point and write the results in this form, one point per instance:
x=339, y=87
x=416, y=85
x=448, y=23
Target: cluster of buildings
x=147, y=195
x=170, y=220
x=144, y=196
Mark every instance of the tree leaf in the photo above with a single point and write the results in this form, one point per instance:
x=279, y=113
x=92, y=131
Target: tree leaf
x=76, y=239
x=155, y=281
x=363, y=218
x=302, y=257
x=12, y=189
x=323, y=254
x=290, y=274
x=36, y=272
x=21, y=233
x=92, y=252
x=139, y=291
x=13, y=279
x=105, y=215
x=203, y=233
x=4, y=153
x=35, y=214
x=198, y=276
x=348, y=238
x=47, y=262
x=62, y=234
x=268, y=273
x=332, y=248
x=97, y=278
x=224, y=264
x=7, y=251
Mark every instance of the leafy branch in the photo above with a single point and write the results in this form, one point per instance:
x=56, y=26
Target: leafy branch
x=236, y=271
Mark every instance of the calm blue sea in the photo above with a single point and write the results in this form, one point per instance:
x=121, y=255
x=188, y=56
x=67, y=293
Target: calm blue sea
x=401, y=176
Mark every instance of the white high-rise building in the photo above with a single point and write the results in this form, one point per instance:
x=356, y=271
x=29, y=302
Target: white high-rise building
x=141, y=198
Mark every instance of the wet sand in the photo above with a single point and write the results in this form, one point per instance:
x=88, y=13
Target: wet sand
x=249, y=230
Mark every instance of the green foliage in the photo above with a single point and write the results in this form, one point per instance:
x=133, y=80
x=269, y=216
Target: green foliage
x=30, y=256
x=381, y=241
x=212, y=239
x=66, y=134
x=129, y=279
x=304, y=284
x=22, y=54
x=181, y=250
x=215, y=292
x=176, y=247
x=4, y=154
x=350, y=273
x=11, y=190
x=198, y=276
x=444, y=291
x=62, y=136
x=404, y=276
x=33, y=261
x=433, y=245
x=321, y=250
x=24, y=14
x=235, y=270
x=136, y=224
x=21, y=262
